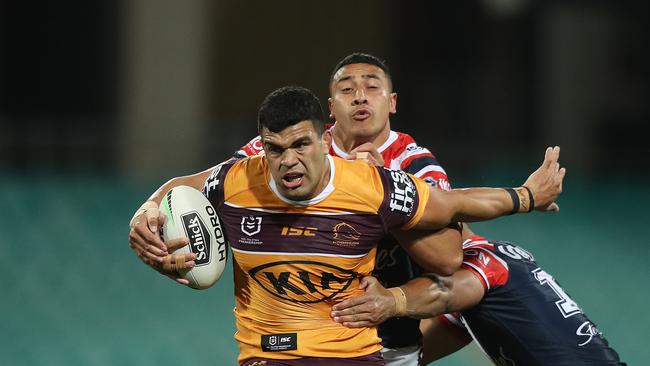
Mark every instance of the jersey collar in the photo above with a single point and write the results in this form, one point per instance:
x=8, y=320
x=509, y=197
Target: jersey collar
x=329, y=188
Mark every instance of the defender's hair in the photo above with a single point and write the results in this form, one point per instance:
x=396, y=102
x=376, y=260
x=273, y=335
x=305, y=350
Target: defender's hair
x=288, y=106
x=362, y=58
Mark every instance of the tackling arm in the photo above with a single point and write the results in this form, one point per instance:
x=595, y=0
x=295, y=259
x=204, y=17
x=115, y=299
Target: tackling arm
x=423, y=297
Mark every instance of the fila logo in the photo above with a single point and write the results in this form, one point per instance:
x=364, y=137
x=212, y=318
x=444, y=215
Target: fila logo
x=298, y=231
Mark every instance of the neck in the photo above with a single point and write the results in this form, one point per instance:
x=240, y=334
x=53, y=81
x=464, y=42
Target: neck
x=348, y=141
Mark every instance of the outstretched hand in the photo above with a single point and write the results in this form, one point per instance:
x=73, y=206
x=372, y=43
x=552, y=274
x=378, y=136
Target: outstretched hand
x=545, y=183
x=372, y=308
x=145, y=240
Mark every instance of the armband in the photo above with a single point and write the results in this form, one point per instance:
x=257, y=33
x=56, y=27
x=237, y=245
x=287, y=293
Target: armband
x=522, y=199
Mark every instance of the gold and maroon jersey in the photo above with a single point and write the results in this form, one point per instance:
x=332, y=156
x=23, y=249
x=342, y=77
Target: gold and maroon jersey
x=294, y=259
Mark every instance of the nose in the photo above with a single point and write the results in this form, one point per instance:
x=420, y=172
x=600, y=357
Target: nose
x=360, y=97
x=289, y=158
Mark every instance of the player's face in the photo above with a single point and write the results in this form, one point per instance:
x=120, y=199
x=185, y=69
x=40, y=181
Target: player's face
x=361, y=102
x=297, y=160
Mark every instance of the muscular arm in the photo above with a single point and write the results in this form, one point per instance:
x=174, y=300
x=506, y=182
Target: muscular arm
x=426, y=297
x=438, y=252
x=478, y=204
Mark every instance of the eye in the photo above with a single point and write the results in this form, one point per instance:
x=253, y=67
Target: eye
x=275, y=150
x=346, y=90
x=300, y=145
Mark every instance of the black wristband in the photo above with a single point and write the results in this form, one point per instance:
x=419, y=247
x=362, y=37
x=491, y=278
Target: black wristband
x=532, y=200
x=515, y=200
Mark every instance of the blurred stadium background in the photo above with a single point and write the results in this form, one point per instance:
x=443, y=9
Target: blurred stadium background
x=101, y=101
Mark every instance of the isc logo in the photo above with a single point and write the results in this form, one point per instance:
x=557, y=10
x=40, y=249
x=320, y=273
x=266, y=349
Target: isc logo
x=302, y=281
x=298, y=231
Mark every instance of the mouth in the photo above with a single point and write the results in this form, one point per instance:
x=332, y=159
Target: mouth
x=292, y=180
x=361, y=114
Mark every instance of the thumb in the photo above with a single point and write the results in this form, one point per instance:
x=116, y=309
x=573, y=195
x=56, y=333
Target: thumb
x=152, y=218
x=554, y=207
x=364, y=283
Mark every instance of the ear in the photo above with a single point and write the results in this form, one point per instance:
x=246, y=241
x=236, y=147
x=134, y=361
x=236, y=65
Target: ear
x=393, y=103
x=329, y=106
x=326, y=141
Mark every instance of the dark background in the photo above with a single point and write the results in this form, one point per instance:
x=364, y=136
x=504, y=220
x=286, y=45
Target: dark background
x=101, y=101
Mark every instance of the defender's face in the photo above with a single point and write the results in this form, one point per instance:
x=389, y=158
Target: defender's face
x=361, y=100
x=297, y=160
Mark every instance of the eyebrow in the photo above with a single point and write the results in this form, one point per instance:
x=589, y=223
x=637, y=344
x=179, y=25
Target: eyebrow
x=364, y=76
x=301, y=139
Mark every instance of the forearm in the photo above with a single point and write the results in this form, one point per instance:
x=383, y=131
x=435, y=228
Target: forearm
x=472, y=204
x=435, y=251
x=478, y=204
x=195, y=181
x=426, y=297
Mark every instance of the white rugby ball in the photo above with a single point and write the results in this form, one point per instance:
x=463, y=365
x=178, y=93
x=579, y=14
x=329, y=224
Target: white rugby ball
x=189, y=214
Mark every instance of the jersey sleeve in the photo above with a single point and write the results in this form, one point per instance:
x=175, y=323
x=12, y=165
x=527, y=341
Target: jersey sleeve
x=420, y=162
x=252, y=148
x=491, y=270
x=404, y=200
x=213, y=186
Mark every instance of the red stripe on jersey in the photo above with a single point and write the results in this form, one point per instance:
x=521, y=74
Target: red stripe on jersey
x=488, y=267
x=253, y=147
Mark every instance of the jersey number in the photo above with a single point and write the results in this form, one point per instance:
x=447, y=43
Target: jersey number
x=567, y=306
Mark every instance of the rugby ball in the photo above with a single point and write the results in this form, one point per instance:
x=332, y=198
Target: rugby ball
x=189, y=214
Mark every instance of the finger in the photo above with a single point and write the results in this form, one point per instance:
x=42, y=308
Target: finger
x=174, y=244
x=137, y=241
x=150, y=237
x=152, y=214
x=350, y=311
x=363, y=284
x=357, y=300
x=178, y=279
x=378, y=159
x=353, y=317
x=175, y=262
x=360, y=324
x=549, y=157
x=161, y=219
x=553, y=207
x=363, y=156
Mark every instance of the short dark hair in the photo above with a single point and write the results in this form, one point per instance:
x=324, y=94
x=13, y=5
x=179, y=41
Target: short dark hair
x=288, y=106
x=362, y=58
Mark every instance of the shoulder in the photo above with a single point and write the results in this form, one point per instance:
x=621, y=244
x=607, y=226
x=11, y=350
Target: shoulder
x=405, y=153
x=252, y=148
x=480, y=259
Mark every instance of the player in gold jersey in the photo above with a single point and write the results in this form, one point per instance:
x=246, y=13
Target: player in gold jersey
x=303, y=228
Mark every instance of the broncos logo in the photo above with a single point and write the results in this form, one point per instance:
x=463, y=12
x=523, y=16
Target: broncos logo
x=345, y=235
